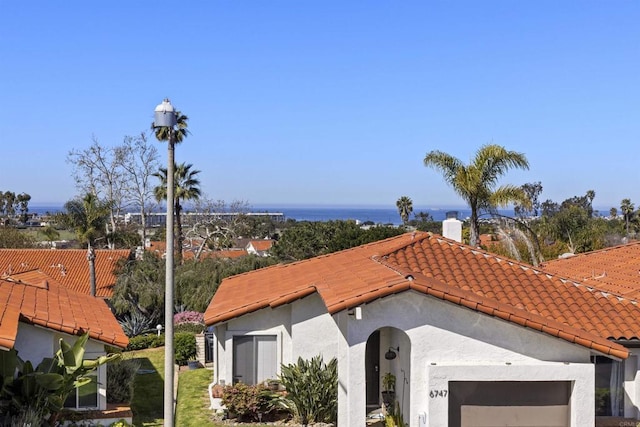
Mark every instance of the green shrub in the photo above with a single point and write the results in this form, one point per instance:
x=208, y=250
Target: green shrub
x=312, y=389
x=120, y=377
x=145, y=341
x=193, y=328
x=185, y=347
x=252, y=402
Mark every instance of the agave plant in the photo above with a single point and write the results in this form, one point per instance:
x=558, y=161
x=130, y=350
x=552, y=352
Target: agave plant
x=135, y=324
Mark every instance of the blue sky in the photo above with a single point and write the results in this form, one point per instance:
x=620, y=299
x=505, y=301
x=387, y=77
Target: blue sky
x=328, y=102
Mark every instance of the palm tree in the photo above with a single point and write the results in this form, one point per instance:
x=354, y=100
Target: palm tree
x=476, y=182
x=88, y=217
x=626, y=208
x=186, y=187
x=405, y=207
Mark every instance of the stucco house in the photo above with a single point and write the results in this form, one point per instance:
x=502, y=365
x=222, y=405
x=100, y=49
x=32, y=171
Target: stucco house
x=36, y=310
x=616, y=271
x=474, y=339
x=259, y=247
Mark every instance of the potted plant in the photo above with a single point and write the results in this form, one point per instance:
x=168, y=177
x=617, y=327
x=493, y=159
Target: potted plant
x=389, y=390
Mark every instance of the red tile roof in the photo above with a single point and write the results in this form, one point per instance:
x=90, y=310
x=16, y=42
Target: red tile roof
x=33, y=297
x=159, y=248
x=261, y=245
x=615, y=269
x=444, y=269
x=67, y=266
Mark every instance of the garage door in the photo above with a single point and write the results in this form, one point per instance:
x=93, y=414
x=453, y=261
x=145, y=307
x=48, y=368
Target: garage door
x=509, y=403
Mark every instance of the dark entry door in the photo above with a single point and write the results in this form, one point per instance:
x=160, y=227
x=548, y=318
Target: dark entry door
x=372, y=369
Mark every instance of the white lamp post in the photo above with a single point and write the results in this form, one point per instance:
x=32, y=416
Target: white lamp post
x=165, y=116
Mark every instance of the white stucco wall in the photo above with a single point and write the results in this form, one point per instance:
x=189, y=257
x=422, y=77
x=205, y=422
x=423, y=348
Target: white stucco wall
x=262, y=322
x=438, y=342
x=632, y=384
x=444, y=333
x=34, y=343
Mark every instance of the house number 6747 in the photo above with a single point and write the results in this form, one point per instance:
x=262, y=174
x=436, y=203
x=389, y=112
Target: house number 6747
x=438, y=393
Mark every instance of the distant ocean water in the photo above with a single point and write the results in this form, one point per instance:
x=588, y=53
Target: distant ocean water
x=375, y=215
x=378, y=215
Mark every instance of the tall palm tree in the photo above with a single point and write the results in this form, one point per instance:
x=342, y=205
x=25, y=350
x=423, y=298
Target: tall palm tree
x=476, y=182
x=405, y=207
x=626, y=208
x=186, y=187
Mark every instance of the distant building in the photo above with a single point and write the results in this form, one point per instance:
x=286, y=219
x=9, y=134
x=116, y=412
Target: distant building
x=159, y=219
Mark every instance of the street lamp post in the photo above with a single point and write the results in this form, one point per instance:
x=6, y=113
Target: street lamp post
x=165, y=116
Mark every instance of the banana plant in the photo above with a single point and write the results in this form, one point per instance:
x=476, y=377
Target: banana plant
x=48, y=386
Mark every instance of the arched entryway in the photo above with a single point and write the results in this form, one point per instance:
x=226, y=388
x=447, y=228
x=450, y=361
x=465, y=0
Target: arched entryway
x=387, y=369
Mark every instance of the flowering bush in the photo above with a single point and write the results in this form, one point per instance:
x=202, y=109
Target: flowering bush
x=188, y=317
x=252, y=402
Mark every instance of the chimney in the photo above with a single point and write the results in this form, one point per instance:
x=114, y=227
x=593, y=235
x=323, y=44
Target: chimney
x=452, y=227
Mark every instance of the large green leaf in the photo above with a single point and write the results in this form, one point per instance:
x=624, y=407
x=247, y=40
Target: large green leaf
x=50, y=381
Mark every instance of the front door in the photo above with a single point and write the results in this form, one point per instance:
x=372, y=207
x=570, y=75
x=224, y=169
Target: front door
x=372, y=369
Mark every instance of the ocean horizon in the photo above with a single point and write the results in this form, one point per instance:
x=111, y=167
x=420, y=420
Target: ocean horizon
x=378, y=214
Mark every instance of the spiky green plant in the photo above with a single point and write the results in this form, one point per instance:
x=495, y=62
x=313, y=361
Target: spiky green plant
x=312, y=389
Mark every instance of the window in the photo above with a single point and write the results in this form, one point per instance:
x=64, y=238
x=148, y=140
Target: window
x=85, y=397
x=254, y=358
x=609, y=393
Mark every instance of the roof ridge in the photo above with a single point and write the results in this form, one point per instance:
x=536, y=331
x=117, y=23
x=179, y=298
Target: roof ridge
x=596, y=251
x=323, y=256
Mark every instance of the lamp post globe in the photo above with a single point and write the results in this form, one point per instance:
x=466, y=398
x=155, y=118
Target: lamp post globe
x=165, y=115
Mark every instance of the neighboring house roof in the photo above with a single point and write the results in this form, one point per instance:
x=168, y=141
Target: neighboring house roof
x=261, y=245
x=615, y=269
x=160, y=248
x=445, y=269
x=67, y=266
x=33, y=297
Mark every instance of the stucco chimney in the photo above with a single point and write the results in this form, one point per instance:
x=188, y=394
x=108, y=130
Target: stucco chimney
x=452, y=227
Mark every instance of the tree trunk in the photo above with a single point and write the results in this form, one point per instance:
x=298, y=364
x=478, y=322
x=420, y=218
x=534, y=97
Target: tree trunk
x=474, y=236
x=143, y=220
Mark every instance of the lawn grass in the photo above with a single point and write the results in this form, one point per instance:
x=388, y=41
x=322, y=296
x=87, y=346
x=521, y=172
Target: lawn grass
x=38, y=236
x=193, y=399
x=148, y=395
x=192, y=408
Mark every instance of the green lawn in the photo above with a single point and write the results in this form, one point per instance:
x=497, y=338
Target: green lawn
x=193, y=396
x=193, y=399
x=148, y=394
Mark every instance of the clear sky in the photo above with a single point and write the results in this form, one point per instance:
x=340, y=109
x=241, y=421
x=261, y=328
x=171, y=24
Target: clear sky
x=327, y=102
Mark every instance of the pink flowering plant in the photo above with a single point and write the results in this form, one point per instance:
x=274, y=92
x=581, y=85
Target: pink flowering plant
x=188, y=317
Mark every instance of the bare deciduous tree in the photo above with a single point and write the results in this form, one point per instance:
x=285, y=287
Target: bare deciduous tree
x=216, y=224
x=141, y=162
x=118, y=175
x=98, y=170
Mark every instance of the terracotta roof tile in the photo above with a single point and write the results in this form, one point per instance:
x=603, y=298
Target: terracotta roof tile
x=261, y=245
x=68, y=266
x=447, y=270
x=615, y=269
x=55, y=306
x=159, y=248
